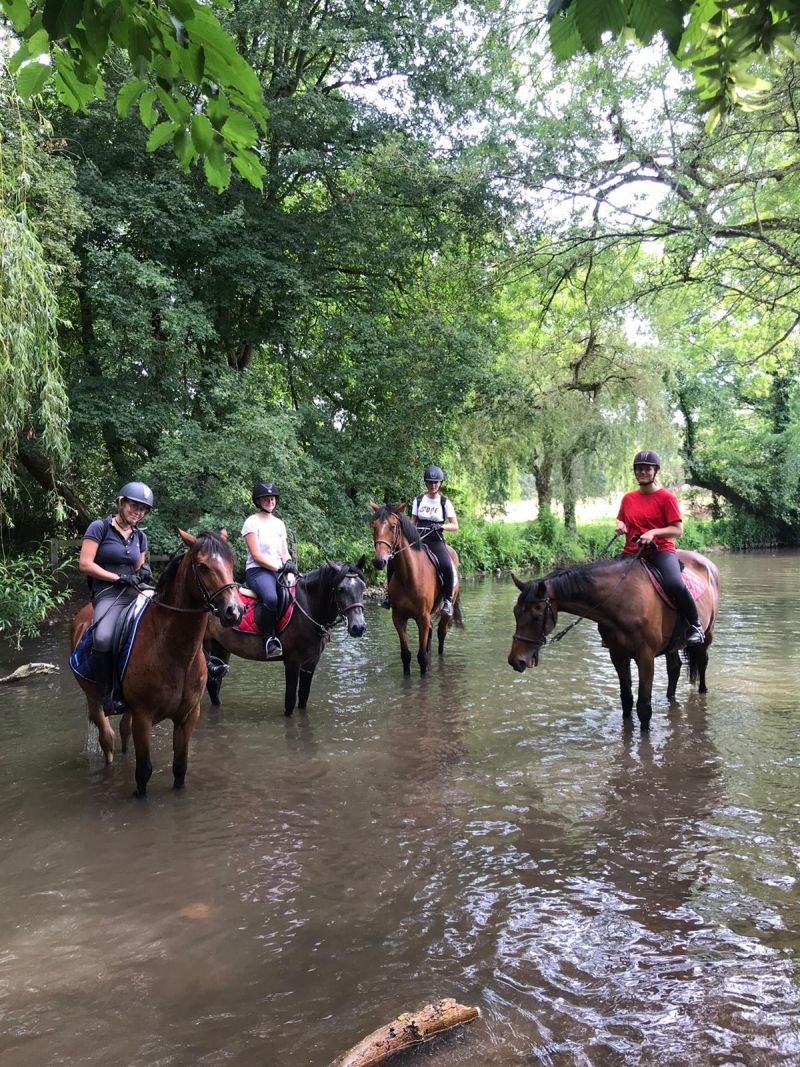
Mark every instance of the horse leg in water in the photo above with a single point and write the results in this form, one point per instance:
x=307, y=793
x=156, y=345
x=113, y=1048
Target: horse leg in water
x=401, y=625
x=644, y=708
x=125, y=730
x=214, y=685
x=105, y=731
x=673, y=674
x=291, y=670
x=181, y=736
x=622, y=665
x=441, y=631
x=306, y=677
x=425, y=629
x=142, y=732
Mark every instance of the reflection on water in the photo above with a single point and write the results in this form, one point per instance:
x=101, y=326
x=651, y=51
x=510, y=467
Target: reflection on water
x=606, y=899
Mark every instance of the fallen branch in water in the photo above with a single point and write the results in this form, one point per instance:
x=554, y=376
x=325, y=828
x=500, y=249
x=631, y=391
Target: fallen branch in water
x=27, y=669
x=411, y=1028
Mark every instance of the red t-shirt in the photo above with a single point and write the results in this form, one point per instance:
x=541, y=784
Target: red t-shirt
x=648, y=511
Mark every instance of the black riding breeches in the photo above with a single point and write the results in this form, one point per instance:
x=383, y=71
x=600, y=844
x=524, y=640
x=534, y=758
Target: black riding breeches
x=439, y=549
x=669, y=568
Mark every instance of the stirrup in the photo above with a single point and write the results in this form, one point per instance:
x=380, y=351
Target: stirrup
x=386, y=602
x=273, y=648
x=113, y=704
x=217, y=668
x=447, y=607
x=695, y=635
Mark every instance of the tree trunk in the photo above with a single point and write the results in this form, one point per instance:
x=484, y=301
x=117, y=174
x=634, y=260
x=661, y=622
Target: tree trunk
x=405, y=1031
x=543, y=476
x=40, y=470
x=570, y=500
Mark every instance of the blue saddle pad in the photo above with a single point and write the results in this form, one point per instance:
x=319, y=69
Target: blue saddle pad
x=80, y=661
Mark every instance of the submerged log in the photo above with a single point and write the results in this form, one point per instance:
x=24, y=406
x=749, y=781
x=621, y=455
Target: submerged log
x=411, y=1028
x=27, y=669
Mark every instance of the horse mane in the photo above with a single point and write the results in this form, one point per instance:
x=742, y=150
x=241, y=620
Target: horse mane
x=410, y=531
x=209, y=541
x=578, y=581
x=341, y=567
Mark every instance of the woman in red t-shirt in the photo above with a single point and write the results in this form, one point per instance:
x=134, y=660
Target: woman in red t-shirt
x=650, y=516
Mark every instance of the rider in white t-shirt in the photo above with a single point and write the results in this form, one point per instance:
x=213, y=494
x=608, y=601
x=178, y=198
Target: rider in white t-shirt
x=433, y=513
x=267, y=554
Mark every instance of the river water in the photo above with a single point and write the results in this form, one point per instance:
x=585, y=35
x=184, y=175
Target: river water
x=605, y=900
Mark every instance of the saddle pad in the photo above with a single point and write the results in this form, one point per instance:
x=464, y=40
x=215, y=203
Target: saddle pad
x=248, y=623
x=695, y=585
x=80, y=661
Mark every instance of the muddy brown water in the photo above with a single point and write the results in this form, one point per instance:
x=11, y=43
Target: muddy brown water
x=605, y=900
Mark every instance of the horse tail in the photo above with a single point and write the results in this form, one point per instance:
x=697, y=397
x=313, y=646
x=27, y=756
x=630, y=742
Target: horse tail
x=693, y=653
x=458, y=618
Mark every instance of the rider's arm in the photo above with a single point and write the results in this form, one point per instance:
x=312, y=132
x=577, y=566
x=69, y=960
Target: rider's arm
x=675, y=530
x=450, y=522
x=88, y=566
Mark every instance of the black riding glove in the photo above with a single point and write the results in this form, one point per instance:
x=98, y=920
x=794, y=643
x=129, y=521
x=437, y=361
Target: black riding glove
x=290, y=567
x=131, y=580
x=144, y=574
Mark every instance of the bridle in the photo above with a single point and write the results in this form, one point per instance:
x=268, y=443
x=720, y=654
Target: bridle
x=541, y=640
x=208, y=597
x=392, y=545
x=341, y=613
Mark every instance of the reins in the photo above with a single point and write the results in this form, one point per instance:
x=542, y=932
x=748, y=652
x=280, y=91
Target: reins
x=542, y=640
x=324, y=630
x=208, y=597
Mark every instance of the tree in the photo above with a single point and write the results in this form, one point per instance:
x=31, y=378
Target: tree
x=719, y=40
x=192, y=87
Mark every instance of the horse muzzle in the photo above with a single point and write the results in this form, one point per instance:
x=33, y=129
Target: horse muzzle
x=356, y=624
x=230, y=614
x=521, y=660
x=380, y=562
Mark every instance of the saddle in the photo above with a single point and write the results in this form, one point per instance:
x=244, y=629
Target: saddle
x=434, y=560
x=80, y=661
x=283, y=614
x=696, y=587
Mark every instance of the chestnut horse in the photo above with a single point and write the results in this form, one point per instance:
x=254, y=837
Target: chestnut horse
x=166, y=669
x=414, y=590
x=633, y=620
x=322, y=597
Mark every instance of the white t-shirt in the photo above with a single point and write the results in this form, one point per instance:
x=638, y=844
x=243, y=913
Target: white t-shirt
x=430, y=509
x=270, y=538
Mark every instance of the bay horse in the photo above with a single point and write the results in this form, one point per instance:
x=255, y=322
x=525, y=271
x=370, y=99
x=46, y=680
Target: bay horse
x=634, y=622
x=414, y=591
x=322, y=597
x=166, y=669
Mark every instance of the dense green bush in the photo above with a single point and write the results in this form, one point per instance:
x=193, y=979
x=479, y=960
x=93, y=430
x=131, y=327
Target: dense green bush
x=28, y=593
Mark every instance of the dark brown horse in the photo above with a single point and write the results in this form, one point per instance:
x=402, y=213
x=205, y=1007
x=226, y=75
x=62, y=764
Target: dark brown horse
x=414, y=590
x=634, y=622
x=166, y=669
x=322, y=597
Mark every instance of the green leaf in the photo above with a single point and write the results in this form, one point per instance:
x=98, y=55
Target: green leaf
x=250, y=167
x=184, y=9
x=147, y=111
x=565, y=41
x=18, y=12
x=217, y=168
x=60, y=16
x=175, y=104
x=159, y=136
x=193, y=63
x=184, y=149
x=130, y=91
x=593, y=18
x=31, y=79
x=202, y=133
x=239, y=129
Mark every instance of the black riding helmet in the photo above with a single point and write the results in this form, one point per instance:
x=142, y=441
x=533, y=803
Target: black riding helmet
x=433, y=474
x=138, y=492
x=646, y=458
x=264, y=489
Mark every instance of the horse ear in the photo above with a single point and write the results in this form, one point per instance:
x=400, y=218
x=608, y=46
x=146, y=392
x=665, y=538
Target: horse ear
x=223, y=533
x=397, y=508
x=361, y=563
x=374, y=506
x=187, y=538
x=520, y=585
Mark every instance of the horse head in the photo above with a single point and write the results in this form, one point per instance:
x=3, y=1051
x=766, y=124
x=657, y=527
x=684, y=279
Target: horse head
x=386, y=531
x=536, y=615
x=349, y=586
x=212, y=563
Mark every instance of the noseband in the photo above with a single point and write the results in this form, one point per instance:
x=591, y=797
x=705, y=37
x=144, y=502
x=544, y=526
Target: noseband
x=208, y=597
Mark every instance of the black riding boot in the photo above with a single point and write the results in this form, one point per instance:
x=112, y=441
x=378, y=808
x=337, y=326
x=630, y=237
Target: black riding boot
x=103, y=674
x=265, y=620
